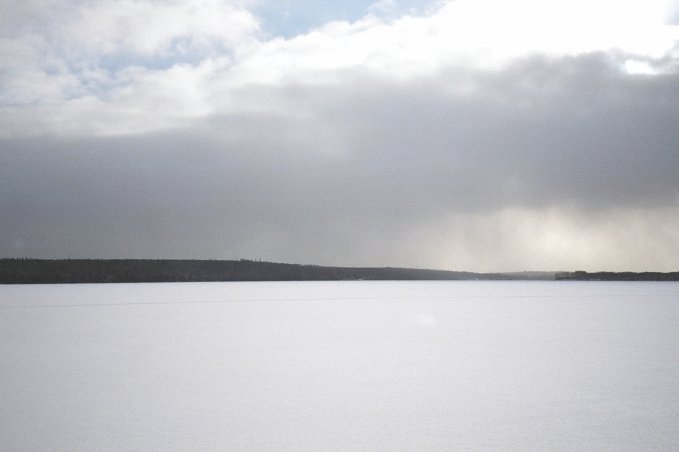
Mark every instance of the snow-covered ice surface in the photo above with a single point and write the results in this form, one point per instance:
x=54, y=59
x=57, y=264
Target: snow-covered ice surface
x=392, y=366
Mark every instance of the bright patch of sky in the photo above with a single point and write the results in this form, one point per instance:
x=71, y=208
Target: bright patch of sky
x=289, y=18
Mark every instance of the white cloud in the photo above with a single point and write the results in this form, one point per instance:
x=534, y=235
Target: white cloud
x=29, y=73
x=634, y=66
x=81, y=49
x=151, y=27
x=178, y=58
x=383, y=6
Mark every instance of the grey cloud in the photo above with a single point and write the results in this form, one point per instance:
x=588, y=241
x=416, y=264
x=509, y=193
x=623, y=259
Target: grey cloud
x=363, y=172
x=544, y=132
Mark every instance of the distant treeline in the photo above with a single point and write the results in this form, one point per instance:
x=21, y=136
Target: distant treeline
x=617, y=276
x=33, y=271
x=45, y=271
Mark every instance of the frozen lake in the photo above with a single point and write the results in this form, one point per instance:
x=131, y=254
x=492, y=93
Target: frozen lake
x=392, y=366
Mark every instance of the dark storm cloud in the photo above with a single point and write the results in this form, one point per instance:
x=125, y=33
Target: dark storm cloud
x=342, y=173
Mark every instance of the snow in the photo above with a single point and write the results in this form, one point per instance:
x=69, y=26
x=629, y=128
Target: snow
x=340, y=366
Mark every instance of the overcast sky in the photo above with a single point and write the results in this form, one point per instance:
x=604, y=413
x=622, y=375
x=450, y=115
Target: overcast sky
x=472, y=134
